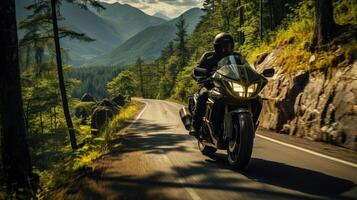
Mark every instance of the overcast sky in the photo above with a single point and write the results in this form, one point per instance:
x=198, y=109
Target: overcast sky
x=170, y=8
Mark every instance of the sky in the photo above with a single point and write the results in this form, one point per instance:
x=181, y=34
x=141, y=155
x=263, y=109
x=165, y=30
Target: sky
x=170, y=8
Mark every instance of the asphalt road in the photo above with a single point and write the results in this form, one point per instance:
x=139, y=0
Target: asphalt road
x=159, y=160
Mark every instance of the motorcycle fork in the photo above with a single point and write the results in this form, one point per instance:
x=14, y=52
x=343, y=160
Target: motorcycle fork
x=229, y=115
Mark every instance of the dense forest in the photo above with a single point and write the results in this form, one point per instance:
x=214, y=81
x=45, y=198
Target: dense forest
x=257, y=26
x=39, y=93
x=93, y=80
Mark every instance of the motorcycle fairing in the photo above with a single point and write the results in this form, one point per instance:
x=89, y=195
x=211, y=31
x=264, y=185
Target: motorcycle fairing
x=231, y=68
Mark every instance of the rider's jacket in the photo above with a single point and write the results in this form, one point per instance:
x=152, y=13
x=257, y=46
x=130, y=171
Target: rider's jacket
x=209, y=61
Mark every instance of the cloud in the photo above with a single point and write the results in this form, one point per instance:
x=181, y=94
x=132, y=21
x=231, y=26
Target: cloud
x=170, y=8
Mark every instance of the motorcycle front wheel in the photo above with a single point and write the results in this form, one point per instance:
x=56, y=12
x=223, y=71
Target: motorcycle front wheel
x=241, y=144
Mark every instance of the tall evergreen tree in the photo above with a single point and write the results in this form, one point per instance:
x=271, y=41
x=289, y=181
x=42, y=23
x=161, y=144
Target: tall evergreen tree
x=241, y=22
x=139, y=65
x=325, y=26
x=261, y=19
x=15, y=156
x=180, y=39
x=61, y=78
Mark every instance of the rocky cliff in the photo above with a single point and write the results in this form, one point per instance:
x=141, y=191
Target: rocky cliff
x=319, y=104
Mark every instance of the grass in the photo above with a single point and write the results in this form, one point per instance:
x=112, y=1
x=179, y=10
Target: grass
x=56, y=164
x=121, y=120
x=295, y=37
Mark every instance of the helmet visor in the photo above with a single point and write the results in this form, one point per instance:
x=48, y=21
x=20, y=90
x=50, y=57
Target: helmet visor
x=227, y=48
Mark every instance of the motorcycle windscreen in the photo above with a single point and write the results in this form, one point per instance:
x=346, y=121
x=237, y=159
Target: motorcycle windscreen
x=232, y=68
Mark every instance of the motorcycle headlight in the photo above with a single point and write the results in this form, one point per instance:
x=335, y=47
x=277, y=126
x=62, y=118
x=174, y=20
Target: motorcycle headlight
x=242, y=91
x=238, y=88
x=251, y=89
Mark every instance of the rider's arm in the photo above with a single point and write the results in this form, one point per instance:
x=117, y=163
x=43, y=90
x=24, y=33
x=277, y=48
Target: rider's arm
x=202, y=63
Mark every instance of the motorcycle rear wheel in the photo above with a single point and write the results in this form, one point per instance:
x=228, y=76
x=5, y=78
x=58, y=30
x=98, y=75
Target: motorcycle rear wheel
x=206, y=150
x=241, y=145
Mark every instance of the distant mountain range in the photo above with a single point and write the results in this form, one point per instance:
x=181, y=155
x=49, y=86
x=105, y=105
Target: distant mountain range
x=162, y=16
x=119, y=28
x=148, y=43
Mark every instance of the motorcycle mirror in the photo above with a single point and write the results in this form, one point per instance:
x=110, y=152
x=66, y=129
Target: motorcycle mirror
x=269, y=72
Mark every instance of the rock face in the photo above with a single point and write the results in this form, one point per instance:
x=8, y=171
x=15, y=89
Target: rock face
x=102, y=113
x=84, y=108
x=100, y=117
x=320, y=105
x=121, y=100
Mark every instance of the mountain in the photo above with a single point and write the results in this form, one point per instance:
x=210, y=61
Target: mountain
x=162, y=16
x=85, y=21
x=126, y=19
x=109, y=27
x=148, y=43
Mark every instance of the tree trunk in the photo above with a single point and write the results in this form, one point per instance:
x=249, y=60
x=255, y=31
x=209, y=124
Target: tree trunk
x=41, y=122
x=261, y=19
x=141, y=80
x=62, y=86
x=278, y=12
x=271, y=17
x=241, y=22
x=325, y=26
x=15, y=156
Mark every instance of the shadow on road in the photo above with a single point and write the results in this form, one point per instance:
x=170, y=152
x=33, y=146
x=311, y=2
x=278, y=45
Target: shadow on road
x=151, y=138
x=159, y=140
x=296, y=178
x=290, y=177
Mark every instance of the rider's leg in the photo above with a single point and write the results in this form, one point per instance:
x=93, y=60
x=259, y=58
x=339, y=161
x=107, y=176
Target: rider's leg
x=200, y=109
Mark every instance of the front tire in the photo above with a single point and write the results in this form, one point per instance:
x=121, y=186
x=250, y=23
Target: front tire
x=206, y=150
x=241, y=144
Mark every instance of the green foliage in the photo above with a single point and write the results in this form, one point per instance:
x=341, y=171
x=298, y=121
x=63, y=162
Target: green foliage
x=123, y=84
x=287, y=24
x=296, y=33
x=119, y=121
x=185, y=85
x=57, y=164
x=93, y=80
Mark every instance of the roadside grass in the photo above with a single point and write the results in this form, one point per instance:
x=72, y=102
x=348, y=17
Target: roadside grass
x=55, y=162
x=120, y=121
x=294, y=36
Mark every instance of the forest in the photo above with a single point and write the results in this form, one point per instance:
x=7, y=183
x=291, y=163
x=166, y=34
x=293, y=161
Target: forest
x=257, y=26
x=43, y=139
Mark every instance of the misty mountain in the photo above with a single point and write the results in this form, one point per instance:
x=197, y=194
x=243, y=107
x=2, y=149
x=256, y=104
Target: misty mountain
x=128, y=20
x=108, y=27
x=162, y=16
x=148, y=43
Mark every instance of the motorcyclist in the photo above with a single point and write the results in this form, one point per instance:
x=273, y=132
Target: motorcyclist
x=223, y=46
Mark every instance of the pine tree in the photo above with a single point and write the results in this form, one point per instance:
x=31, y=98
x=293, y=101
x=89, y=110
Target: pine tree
x=180, y=39
x=325, y=26
x=42, y=30
x=139, y=69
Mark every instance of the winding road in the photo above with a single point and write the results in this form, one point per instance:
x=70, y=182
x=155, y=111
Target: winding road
x=157, y=159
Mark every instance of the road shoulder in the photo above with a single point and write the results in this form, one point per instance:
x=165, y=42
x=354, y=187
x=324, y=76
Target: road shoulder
x=319, y=147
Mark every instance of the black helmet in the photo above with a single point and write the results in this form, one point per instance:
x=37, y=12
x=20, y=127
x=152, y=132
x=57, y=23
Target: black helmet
x=223, y=44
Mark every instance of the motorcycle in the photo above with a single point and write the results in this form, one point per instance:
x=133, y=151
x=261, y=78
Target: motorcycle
x=232, y=109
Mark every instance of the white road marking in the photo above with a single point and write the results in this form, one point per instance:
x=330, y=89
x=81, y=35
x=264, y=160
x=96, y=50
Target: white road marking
x=139, y=115
x=309, y=151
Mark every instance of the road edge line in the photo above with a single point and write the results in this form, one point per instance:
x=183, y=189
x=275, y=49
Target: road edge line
x=309, y=151
x=182, y=181
x=139, y=115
